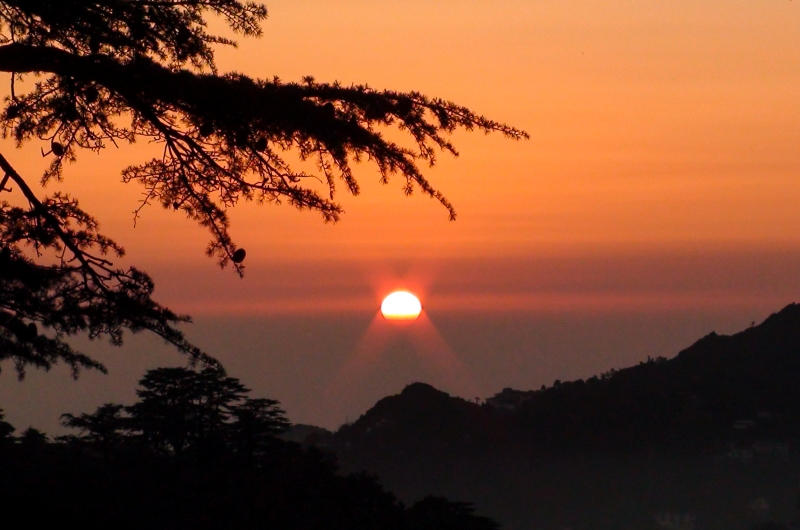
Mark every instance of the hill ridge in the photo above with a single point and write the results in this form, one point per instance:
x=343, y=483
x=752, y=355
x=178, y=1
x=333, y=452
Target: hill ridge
x=691, y=400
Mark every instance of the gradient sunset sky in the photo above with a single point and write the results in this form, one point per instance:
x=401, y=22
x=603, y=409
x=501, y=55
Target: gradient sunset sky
x=657, y=199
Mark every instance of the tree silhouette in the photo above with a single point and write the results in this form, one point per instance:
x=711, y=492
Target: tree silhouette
x=179, y=408
x=106, y=427
x=33, y=438
x=6, y=430
x=257, y=422
x=110, y=71
x=289, y=487
x=182, y=411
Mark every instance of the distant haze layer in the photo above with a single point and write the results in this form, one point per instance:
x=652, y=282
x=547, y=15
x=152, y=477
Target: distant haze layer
x=505, y=323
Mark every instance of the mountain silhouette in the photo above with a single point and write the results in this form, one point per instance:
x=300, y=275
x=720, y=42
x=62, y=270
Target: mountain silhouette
x=702, y=397
x=439, y=422
x=724, y=401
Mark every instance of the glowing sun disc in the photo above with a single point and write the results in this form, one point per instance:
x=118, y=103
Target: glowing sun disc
x=401, y=305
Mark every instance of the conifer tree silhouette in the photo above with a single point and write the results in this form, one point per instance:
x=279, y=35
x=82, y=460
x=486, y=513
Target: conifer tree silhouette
x=33, y=438
x=180, y=409
x=257, y=422
x=85, y=74
x=105, y=427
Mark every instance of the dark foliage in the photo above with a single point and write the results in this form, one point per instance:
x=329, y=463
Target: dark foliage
x=109, y=71
x=32, y=438
x=255, y=423
x=196, y=452
x=105, y=428
x=183, y=413
x=294, y=489
x=6, y=430
x=437, y=513
x=179, y=408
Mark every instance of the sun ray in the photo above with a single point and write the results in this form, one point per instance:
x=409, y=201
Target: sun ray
x=451, y=372
x=359, y=366
x=441, y=366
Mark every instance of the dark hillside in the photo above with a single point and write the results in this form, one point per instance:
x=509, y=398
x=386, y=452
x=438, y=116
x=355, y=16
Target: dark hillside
x=713, y=392
x=706, y=432
x=705, y=396
x=440, y=423
x=422, y=429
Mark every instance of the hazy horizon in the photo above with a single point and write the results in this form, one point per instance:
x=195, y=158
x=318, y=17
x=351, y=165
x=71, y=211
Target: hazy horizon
x=305, y=358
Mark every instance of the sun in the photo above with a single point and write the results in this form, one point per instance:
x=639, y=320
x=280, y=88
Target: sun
x=401, y=305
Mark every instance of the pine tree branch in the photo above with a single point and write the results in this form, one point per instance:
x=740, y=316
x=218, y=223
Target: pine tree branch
x=118, y=70
x=88, y=263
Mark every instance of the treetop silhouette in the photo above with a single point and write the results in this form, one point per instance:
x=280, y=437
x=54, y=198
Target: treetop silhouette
x=110, y=71
x=181, y=410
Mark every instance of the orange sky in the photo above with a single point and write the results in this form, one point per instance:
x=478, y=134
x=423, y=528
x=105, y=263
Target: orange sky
x=652, y=124
x=655, y=127
x=662, y=170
